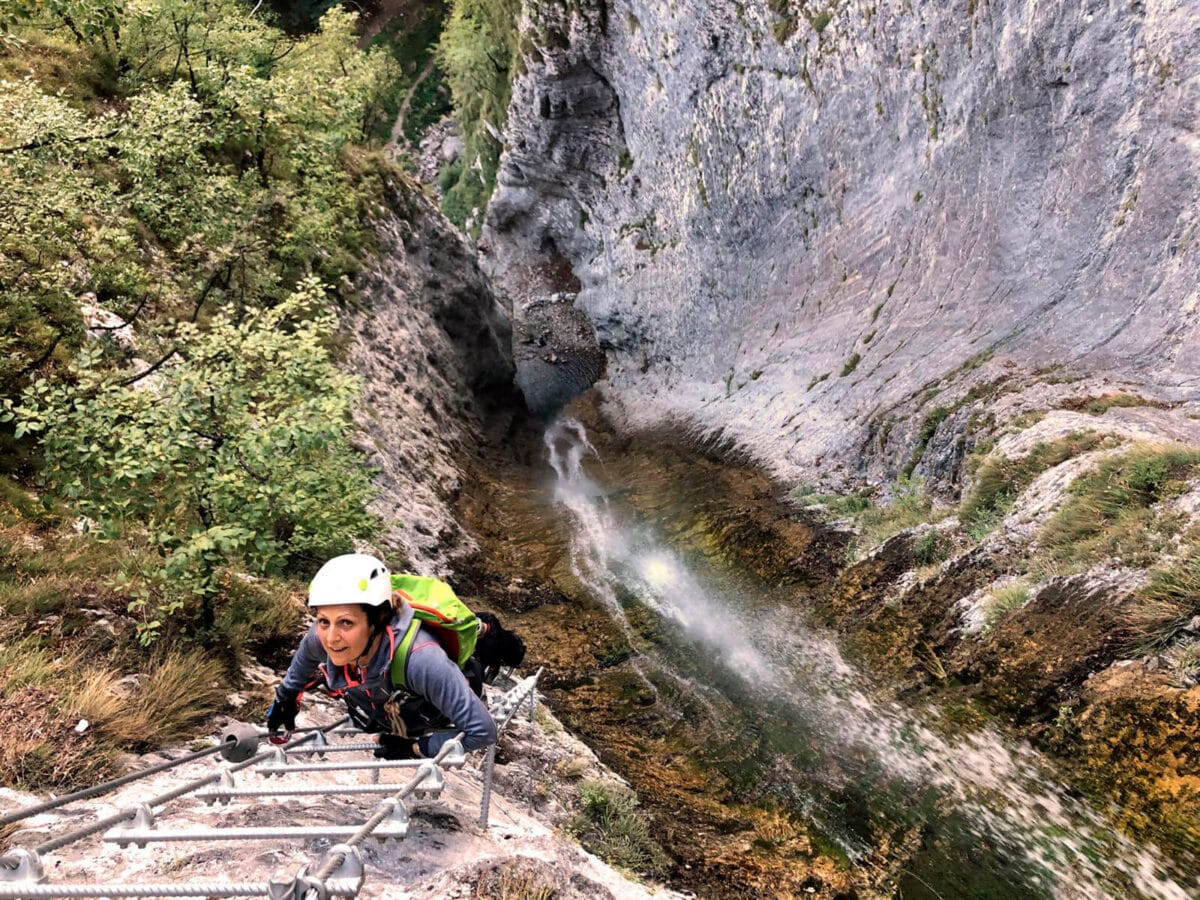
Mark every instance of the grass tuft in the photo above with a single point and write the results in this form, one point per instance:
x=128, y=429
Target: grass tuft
x=1162, y=611
x=1112, y=511
x=610, y=825
x=1000, y=481
x=1003, y=600
x=179, y=692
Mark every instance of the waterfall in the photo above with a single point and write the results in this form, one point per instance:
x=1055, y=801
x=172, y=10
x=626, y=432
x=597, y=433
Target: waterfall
x=1004, y=792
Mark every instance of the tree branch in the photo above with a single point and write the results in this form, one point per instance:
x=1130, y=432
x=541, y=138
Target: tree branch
x=38, y=143
x=129, y=320
x=41, y=359
x=134, y=379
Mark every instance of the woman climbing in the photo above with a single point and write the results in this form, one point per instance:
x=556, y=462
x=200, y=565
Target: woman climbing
x=367, y=647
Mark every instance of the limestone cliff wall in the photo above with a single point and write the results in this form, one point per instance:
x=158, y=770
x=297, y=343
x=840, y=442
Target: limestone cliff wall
x=812, y=229
x=433, y=347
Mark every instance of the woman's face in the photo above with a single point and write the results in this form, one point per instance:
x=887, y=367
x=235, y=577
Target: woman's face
x=343, y=631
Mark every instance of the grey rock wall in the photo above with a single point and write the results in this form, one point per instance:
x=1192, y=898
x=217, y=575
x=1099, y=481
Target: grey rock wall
x=433, y=348
x=804, y=228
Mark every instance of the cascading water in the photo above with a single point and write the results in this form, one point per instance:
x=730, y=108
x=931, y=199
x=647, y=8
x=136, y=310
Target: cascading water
x=829, y=746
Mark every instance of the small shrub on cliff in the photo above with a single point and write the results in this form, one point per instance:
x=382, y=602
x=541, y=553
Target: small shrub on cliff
x=931, y=548
x=610, y=825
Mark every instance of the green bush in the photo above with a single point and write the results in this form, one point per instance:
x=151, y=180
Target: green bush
x=464, y=197
x=193, y=172
x=932, y=547
x=237, y=452
x=610, y=825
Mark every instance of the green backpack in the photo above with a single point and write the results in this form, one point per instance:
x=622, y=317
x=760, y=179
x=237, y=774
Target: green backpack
x=437, y=607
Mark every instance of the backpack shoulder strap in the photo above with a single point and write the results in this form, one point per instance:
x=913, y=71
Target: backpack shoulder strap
x=400, y=657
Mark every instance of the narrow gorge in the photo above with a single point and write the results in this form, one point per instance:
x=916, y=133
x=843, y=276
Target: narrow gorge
x=930, y=275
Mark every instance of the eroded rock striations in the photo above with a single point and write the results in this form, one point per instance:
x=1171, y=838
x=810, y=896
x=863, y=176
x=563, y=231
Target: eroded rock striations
x=434, y=350
x=812, y=230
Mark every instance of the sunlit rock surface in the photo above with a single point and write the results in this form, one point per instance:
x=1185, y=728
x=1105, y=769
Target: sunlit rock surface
x=809, y=231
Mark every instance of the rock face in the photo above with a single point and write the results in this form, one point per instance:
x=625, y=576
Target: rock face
x=434, y=350
x=807, y=229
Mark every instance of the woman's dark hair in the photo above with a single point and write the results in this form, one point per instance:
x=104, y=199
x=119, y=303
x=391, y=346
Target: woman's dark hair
x=378, y=617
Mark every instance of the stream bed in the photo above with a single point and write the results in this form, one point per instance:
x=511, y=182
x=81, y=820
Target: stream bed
x=768, y=762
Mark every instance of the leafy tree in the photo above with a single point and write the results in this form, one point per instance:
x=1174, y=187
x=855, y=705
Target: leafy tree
x=235, y=448
x=195, y=173
x=221, y=176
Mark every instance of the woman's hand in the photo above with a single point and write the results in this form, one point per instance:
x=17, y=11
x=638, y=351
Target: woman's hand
x=282, y=714
x=394, y=747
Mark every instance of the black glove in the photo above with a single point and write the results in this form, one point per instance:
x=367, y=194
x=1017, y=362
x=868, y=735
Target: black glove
x=282, y=714
x=393, y=746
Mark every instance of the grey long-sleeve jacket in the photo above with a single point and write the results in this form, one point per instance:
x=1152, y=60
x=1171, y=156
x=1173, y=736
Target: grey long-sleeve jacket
x=438, y=697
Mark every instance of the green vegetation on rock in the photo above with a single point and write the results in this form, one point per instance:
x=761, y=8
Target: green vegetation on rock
x=1000, y=480
x=1165, y=608
x=411, y=39
x=610, y=825
x=1114, y=510
x=187, y=195
x=479, y=53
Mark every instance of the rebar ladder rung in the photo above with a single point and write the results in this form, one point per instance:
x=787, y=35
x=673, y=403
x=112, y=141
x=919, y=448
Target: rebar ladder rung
x=143, y=836
x=218, y=794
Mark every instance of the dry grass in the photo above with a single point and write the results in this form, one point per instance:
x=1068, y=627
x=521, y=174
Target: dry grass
x=44, y=693
x=26, y=664
x=178, y=692
x=1163, y=609
x=774, y=830
x=39, y=748
x=260, y=616
x=521, y=878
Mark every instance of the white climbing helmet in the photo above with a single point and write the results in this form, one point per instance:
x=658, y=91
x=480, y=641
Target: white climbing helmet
x=352, y=578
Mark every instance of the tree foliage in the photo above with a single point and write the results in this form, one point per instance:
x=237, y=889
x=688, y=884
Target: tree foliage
x=192, y=174
x=234, y=448
x=214, y=172
x=479, y=51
